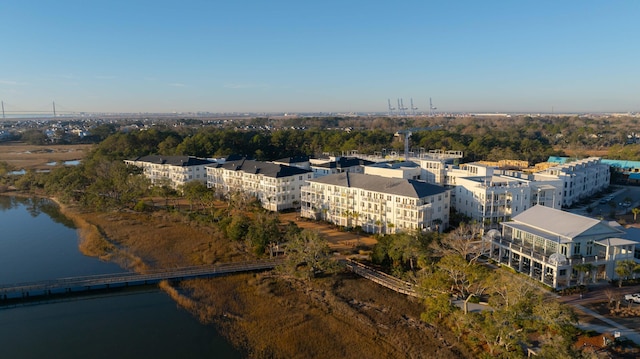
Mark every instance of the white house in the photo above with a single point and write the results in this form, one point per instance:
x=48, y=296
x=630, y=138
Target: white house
x=378, y=204
x=554, y=246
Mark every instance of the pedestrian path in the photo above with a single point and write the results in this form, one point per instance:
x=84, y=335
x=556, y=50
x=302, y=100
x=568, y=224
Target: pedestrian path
x=610, y=328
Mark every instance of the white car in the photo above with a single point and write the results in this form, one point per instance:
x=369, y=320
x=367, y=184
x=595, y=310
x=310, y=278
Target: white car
x=632, y=297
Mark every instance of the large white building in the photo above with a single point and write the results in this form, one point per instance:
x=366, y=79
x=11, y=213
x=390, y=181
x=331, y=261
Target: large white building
x=175, y=170
x=491, y=200
x=277, y=186
x=336, y=164
x=406, y=170
x=548, y=245
x=580, y=179
x=377, y=204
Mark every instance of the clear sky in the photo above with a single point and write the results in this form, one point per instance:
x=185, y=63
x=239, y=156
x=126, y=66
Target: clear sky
x=312, y=55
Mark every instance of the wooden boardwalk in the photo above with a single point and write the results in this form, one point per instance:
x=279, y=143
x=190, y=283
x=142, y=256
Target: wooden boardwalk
x=382, y=278
x=11, y=292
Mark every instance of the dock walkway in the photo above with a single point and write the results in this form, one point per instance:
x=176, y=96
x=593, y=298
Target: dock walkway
x=87, y=283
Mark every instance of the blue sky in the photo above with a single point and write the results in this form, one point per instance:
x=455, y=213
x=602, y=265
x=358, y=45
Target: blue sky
x=293, y=56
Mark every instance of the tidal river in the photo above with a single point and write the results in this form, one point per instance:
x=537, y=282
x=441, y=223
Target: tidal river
x=38, y=243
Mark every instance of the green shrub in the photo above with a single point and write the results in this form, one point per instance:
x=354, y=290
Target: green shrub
x=141, y=206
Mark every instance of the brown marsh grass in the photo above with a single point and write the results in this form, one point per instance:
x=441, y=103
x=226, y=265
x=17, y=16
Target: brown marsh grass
x=24, y=156
x=337, y=317
x=265, y=314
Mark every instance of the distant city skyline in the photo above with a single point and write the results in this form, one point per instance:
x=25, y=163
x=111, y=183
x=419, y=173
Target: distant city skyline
x=330, y=56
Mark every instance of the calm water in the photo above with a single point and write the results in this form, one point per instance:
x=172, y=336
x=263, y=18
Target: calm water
x=37, y=243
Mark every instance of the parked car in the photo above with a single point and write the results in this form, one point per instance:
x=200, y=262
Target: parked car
x=635, y=297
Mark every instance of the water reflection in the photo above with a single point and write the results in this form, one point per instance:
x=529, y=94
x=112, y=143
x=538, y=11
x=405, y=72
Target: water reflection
x=127, y=324
x=38, y=243
x=36, y=206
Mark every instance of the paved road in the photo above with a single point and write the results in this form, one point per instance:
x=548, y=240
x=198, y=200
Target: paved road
x=610, y=327
x=598, y=294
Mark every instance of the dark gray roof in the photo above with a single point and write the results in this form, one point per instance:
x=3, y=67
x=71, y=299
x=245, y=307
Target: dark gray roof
x=174, y=160
x=396, y=186
x=295, y=159
x=265, y=168
x=345, y=162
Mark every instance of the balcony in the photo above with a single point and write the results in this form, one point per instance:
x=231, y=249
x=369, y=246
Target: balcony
x=528, y=251
x=406, y=206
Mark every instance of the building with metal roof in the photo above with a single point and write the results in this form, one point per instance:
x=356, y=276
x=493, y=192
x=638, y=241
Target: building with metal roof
x=562, y=249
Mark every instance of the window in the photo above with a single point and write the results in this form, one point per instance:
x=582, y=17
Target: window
x=576, y=248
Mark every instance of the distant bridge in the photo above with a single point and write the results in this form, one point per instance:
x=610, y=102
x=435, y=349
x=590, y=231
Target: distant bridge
x=23, y=291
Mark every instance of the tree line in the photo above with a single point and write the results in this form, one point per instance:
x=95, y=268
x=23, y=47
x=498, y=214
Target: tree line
x=446, y=267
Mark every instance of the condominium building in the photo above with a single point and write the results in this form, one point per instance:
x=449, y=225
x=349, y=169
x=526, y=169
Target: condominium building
x=580, y=179
x=174, y=170
x=405, y=169
x=377, y=204
x=434, y=165
x=492, y=199
x=277, y=186
x=557, y=247
x=336, y=164
x=296, y=161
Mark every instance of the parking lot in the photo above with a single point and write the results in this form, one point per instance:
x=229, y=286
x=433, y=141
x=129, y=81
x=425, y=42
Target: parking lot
x=621, y=201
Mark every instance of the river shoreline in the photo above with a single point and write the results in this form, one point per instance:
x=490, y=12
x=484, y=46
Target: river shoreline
x=266, y=315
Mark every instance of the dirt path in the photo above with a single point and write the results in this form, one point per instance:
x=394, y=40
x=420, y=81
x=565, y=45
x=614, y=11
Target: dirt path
x=338, y=240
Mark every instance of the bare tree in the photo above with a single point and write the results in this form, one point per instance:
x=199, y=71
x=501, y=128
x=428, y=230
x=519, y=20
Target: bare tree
x=465, y=241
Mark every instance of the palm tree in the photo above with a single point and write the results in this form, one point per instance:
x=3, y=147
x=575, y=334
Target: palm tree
x=625, y=268
x=379, y=225
x=347, y=214
x=635, y=212
x=583, y=268
x=324, y=213
x=355, y=216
